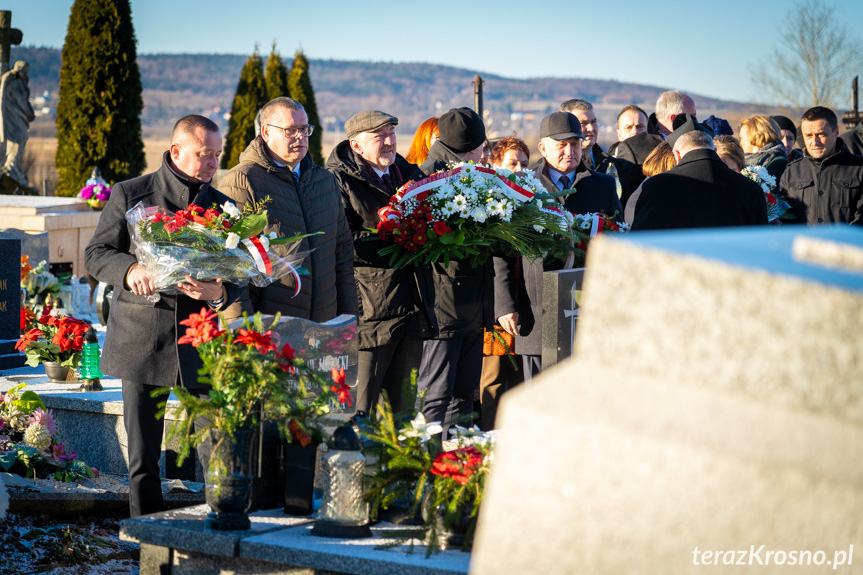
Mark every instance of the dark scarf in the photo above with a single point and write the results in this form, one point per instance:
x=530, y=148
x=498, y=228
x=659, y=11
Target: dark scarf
x=766, y=154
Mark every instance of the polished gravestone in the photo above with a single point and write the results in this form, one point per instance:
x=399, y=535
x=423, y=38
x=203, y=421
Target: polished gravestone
x=34, y=245
x=561, y=294
x=10, y=303
x=714, y=404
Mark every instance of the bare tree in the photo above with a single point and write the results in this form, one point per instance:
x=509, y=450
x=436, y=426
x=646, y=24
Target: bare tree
x=815, y=60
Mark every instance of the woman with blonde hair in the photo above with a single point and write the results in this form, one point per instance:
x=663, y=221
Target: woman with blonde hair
x=660, y=160
x=761, y=140
x=425, y=136
x=729, y=151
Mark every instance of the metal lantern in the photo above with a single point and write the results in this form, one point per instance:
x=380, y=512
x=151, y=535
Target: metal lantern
x=343, y=513
x=89, y=371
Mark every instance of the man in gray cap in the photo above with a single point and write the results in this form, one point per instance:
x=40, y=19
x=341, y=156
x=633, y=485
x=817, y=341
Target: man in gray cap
x=391, y=323
x=561, y=168
x=462, y=135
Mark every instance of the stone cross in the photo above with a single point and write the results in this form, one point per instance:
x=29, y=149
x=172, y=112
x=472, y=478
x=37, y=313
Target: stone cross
x=9, y=37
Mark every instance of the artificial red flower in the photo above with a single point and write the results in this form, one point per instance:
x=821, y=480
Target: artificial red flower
x=341, y=388
x=458, y=464
x=212, y=215
x=195, y=209
x=440, y=228
x=29, y=337
x=261, y=341
x=196, y=319
x=201, y=328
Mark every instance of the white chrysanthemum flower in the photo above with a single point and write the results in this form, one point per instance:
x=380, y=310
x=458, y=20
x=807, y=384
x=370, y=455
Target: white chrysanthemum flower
x=232, y=241
x=37, y=436
x=479, y=214
x=421, y=428
x=16, y=419
x=231, y=209
x=460, y=202
x=272, y=235
x=448, y=209
x=265, y=241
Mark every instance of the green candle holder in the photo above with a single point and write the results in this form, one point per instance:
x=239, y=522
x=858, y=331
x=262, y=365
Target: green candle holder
x=89, y=371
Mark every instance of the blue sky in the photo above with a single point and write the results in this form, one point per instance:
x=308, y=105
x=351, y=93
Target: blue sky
x=706, y=48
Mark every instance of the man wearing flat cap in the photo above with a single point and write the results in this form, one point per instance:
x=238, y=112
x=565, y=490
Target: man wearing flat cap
x=460, y=296
x=304, y=198
x=391, y=320
x=700, y=191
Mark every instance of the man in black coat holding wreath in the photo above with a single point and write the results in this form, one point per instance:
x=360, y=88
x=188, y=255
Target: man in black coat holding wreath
x=141, y=337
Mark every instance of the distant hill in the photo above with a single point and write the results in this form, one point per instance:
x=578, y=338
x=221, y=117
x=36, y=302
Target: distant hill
x=179, y=84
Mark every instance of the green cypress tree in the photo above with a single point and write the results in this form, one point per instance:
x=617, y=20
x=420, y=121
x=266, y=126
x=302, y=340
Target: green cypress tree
x=276, y=76
x=251, y=95
x=300, y=87
x=99, y=110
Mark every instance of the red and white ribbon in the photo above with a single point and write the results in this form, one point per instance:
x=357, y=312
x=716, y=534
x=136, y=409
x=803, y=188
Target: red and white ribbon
x=514, y=190
x=597, y=225
x=295, y=274
x=259, y=254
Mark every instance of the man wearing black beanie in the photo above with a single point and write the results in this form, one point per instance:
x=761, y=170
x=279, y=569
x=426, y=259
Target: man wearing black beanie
x=460, y=295
x=462, y=135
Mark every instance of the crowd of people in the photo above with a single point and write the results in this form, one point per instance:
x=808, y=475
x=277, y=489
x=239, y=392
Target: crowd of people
x=668, y=170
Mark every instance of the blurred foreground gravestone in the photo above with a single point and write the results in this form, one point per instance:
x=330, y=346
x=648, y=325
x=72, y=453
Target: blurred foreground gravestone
x=712, y=414
x=10, y=303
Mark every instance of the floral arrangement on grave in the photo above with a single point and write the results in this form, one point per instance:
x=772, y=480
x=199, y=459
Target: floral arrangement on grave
x=407, y=464
x=95, y=194
x=251, y=379
x=209, y=243
x=30, y=441
x=54, y=338
x=472, y=212
x=587, y=226
x=38, y=281
x=776, y=206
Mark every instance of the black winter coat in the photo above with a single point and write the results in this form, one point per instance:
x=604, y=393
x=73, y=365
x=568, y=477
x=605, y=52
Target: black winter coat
x=830, y=191
x=462, y=295
x=141, y=336
x=854, y=140
x=629, y=158
x=699, y=192
x=388, y=299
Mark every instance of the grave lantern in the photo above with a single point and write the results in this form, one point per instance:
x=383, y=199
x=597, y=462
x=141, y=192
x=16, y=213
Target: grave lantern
x=89, y=372
x=343, y=513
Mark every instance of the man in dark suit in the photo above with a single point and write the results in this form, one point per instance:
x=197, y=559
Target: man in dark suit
x=592, y=155
x=700, y=191
x=141, y=338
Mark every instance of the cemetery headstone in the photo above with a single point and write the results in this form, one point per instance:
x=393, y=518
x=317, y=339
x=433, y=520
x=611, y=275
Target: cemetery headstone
x=713, y=411
x=560, y=309
x=34, y=245
x=10, y=303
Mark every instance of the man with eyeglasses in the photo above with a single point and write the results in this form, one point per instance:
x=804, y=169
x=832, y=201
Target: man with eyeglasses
x=392, y=322
x=303, y=198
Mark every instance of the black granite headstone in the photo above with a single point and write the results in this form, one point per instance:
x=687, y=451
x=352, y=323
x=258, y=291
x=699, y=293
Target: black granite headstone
x=561, y=293
x=10, y=303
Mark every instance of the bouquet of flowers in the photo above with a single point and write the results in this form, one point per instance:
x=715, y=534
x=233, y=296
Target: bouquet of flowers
x=207, y=244
x=776, y=206
x=472, y=211
x=38, y=281
x=96, y=195
x=30, y=441
x=57, y=338
x=252, y=378
x=407, y=463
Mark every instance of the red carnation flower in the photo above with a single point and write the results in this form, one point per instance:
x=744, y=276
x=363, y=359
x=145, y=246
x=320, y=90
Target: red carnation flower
x=441, y=228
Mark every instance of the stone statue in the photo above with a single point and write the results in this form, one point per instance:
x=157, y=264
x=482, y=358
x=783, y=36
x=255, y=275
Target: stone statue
x=16, y=113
